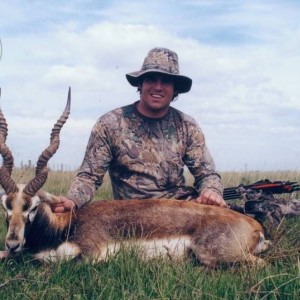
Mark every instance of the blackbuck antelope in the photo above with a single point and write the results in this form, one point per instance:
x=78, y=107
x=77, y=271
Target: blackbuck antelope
x=170, y=228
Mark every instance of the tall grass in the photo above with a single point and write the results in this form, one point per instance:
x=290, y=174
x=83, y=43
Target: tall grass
x=126, y=277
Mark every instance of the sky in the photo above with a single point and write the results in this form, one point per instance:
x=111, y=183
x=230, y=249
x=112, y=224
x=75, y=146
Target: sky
x=243, y=57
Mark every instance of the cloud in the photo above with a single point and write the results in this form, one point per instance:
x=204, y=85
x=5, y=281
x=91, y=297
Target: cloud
x=243, y=58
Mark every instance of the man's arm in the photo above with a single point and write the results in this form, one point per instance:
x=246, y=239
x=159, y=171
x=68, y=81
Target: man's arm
x=209, y=182
x=90, y=176
x=200, y=163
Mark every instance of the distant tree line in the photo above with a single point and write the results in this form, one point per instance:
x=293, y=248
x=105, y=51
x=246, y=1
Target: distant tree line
x=54, y=167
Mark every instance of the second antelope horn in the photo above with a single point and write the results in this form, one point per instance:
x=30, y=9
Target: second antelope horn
x=41, y=171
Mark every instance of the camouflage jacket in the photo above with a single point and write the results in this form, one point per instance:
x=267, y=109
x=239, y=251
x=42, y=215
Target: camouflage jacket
x=145, y=157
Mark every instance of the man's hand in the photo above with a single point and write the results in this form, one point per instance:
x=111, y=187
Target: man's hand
x=65, y=205
x=210, y=197
x=3, y=254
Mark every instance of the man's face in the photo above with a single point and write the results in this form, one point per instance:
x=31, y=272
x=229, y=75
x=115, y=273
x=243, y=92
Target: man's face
x=157, y=92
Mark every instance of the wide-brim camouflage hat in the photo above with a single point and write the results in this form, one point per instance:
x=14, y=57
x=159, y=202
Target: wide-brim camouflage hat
x=165, y=61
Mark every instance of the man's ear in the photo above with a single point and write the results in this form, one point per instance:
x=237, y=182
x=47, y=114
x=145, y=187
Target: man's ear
x=175, y=95
x=139, y=89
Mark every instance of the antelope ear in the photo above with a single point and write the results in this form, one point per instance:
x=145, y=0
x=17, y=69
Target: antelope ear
x=48, y=198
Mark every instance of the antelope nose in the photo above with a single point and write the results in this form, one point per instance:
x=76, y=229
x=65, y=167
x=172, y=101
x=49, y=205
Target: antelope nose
x=12, y=246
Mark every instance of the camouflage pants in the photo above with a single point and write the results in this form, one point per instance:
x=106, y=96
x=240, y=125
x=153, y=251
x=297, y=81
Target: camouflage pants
x=270, y=211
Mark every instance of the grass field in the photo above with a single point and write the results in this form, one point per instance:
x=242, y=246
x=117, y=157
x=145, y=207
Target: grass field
x=125, y=277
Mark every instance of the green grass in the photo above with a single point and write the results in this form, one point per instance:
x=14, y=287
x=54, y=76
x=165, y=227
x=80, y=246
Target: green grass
x=126, y=277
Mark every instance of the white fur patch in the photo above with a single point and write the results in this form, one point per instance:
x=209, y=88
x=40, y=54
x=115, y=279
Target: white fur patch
x=172, y=248
x=65, y=251
x=262, y=244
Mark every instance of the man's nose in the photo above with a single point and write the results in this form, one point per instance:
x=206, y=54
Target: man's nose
x=157, y=84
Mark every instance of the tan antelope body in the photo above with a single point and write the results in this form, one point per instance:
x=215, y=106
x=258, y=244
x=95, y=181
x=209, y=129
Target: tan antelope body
x=170, y=228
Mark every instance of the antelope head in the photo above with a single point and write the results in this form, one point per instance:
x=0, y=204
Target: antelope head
x=21, y=201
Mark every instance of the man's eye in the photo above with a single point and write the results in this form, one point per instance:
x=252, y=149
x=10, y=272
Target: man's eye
x=167, y=81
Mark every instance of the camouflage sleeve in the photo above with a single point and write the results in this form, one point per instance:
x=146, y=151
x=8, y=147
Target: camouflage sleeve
x=200, y=162
x=94, y=166
x=208, y=177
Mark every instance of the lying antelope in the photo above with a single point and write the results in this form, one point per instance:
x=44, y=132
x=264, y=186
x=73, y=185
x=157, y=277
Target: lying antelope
x=171, y=228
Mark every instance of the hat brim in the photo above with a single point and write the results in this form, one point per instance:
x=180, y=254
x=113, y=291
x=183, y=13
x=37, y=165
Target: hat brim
x=182, y=83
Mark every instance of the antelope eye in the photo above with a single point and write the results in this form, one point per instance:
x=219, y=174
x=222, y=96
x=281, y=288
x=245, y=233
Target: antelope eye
x=7, y=205
x=31, y=214
x=34, y=209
